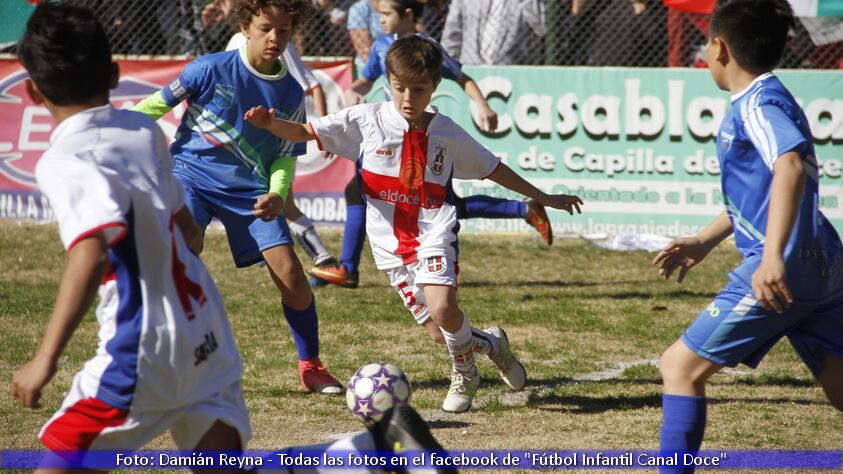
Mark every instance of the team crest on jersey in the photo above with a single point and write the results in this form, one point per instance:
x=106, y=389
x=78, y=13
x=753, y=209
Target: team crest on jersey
x=223, y=96
x=438, y=165
x=436, y=265
x=411, y=174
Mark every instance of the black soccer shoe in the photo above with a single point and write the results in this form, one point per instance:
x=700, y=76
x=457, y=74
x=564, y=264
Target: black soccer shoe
x=403, y=429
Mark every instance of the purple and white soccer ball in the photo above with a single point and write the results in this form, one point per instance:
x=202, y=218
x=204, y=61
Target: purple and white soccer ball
x=375, y=388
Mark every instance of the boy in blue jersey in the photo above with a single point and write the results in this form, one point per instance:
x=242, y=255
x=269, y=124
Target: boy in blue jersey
x=241, y=174
x=398, y=19
x=790, y=281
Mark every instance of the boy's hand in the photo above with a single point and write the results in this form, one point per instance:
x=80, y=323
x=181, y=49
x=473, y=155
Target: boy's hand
x=268, y=206
x=30, y=379
x=684, y=254
x=488, y=120
x=770, y=287
x=563, y=202
x=259, y=116
x=353, y=98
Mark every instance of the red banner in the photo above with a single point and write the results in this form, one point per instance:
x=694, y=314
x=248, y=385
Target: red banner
x=26, y=129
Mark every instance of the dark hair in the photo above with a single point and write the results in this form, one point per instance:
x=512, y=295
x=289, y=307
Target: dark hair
x=413, y=58
x=754, y=30
x=66, y=53
x=247, y=9
x=417, y=6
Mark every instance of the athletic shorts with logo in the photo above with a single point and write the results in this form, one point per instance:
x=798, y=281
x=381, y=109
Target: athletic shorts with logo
x=735, y=329
x=409, y=281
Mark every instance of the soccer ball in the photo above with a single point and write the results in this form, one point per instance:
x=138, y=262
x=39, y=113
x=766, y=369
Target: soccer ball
x=375, y=388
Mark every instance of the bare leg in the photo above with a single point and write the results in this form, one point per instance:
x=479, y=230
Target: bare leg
x=288, y=275
x=684, y=372
x=220, y=437
x=831, y=379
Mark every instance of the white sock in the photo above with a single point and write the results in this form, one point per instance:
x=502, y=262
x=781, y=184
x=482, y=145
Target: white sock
x=306, y=235
x=461, y=347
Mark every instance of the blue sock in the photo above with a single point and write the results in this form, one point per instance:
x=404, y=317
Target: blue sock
x=353, y=237
x=493, y=208
x=682, y=427
x=304, y=326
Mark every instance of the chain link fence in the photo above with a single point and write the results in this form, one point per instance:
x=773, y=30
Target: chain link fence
x=554, y=32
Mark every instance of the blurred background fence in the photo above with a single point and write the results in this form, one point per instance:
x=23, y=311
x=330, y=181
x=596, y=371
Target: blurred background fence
x=554, y=32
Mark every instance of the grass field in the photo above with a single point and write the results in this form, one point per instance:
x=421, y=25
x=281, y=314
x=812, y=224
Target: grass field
x=589, y=325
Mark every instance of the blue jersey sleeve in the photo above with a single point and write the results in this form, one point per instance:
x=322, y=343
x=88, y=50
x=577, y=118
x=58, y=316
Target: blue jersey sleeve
x=451, y=68
x=291, y=148
x=773, y=132
x=372, y=69
x=187, y=85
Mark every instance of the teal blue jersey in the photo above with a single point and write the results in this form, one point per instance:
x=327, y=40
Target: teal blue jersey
x=214, y=146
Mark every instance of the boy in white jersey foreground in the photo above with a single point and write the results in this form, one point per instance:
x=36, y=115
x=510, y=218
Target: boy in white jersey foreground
x=241, y=175
x=790, y=282
x=407, y=155
x=166, y=358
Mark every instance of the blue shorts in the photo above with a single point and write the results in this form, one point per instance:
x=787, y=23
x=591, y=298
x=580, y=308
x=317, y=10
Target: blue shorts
x=248, y=236
x=735, y=329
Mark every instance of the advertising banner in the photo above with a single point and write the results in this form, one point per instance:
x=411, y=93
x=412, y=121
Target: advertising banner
x=26, y=129
x=636, y=144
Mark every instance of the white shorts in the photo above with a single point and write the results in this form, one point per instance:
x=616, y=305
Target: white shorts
x=84, y=423
x=409, y=280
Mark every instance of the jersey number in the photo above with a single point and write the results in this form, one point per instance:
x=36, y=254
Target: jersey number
x=186, y=288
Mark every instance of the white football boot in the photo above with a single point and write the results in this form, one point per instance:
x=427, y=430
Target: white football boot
x=511, y=370
x=462, y=391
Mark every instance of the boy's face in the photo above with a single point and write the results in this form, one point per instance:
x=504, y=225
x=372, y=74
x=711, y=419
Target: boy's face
x=715, y=54
x=268, y=33
x=411, y=97
x=390, y=19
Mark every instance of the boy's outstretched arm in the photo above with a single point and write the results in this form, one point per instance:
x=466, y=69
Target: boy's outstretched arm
x=684, y=253
x=82, y=275
x=487, y=117
x=768, y=281
x=507, y=178
x=292, y=131
x=360, y=87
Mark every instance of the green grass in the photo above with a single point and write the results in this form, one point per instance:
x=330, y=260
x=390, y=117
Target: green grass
x=571, y=311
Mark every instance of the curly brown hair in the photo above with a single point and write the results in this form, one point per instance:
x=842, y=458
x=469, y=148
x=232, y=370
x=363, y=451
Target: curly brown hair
x=247, y=9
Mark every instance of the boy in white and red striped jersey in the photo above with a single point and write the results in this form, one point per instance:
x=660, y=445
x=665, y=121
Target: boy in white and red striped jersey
x=407, y=155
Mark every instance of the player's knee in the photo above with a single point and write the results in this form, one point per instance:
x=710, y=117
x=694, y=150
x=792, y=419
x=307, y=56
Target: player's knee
x=442, y=310
x=671, y=367
x=288, y=271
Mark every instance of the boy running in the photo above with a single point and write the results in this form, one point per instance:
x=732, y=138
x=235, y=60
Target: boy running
x=789, y=283
x=407, y=155
x=399, y=19
x=166, y=357
x=242, y=175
